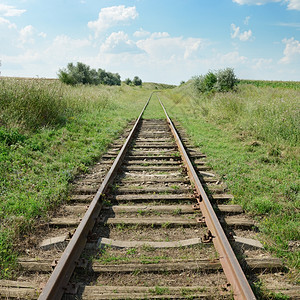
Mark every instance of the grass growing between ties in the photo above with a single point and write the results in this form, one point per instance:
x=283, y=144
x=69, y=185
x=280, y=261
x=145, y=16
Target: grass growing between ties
x=49, y=132
x=251, y=138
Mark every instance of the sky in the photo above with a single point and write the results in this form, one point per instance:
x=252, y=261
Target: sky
x=166, y=41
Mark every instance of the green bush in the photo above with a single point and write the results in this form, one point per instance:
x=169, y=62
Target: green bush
x=226, y=80
x=136, y=81
x=220, y=81
x=128, y=81
x=83, y=74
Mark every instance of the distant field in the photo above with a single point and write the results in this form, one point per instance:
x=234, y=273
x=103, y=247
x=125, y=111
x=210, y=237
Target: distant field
x=275, y=84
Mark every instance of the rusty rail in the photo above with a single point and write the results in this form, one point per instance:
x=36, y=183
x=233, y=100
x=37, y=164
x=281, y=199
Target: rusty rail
x=229, y=262
x=62, y=273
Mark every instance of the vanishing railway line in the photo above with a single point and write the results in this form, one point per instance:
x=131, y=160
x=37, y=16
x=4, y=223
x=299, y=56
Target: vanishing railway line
x=157, y=227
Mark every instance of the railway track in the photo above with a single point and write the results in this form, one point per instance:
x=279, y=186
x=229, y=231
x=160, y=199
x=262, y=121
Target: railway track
x=160, y=226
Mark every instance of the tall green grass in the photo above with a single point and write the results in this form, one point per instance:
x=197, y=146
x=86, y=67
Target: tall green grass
x=268, y=114
x=251, y=138
x=31, y=104
x=50, y=132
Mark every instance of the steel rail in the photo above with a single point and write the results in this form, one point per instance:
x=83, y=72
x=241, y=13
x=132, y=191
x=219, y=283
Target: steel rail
x=228, y=260
x=56, y=285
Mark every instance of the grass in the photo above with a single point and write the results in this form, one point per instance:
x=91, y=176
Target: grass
x=251, y=138
x=159, y=290
x=50, y=132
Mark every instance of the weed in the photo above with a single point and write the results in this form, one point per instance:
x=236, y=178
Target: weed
x=159, y=290
x=120, y=226
x=148, y=248
x=165, y=225
x=175, y=187
x=177, y=212
x=131, y=251
x=141, y=212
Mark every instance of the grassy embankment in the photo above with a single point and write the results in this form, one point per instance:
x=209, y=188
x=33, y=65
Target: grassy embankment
x=50, y=132
x=251, y=138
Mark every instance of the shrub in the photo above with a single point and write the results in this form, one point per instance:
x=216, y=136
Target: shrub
x=128, y=81
x=226, y=80
x=136, y=81
x=220, y=81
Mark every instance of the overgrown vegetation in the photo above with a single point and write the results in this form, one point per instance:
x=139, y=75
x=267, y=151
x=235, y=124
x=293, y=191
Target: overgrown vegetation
x=251, y=137
x=136, y=81
x=83, y=74
x=49, y=132
x=218, y=81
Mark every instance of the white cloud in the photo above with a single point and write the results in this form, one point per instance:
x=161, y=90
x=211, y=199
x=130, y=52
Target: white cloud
x=236, y=31
x=291, y=4
x=8, y=23
x=118, y=42
x=10, y=11
x=291, y=51
x=231, y=59
x=261, y=63
x=244, y=36
x=170, y=48
x=294, y=4
x=26, y=34
x=295, y=25
x=254, y=2
x=43, y=34
x=111, y=16
x=141, y=33
x=158, y=35
x=246, y=21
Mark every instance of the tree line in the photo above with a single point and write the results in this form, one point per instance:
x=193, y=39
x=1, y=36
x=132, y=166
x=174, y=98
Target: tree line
x=84, y=74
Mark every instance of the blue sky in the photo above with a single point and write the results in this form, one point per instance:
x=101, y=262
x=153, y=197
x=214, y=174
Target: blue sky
x=158, y=40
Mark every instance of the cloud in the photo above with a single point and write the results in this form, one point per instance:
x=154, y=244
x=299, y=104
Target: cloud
x=119, y=42
x=231, y=58
x=294, y=4
x=246, y=21
x=291, y=51
x=10, y=11
x=158, y=35
x=164, y=47
x=261, y=63
x=254, y=2
x=141, y=33
x=26, y=34
x=10, y=25
x=112, y=16
x=291, y=4
x=43, y=34
x=294, y=25
x=244, y=36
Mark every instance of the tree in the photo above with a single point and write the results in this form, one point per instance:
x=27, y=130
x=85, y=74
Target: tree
x=128, y=81
x=136, y=81
x=83, y=74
